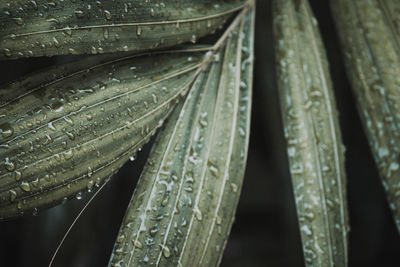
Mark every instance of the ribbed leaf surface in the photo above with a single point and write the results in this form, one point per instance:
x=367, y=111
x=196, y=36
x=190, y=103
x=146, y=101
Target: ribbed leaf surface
x=370, y=36
x=47, y=28
x=183, y=207
x=314, y=146
x=65, y=130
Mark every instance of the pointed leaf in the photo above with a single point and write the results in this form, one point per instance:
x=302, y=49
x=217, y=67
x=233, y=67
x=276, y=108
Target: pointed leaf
x=314, y=145
x=183, y=207
x=44, y=28
x=370, y=36
x=65, y=133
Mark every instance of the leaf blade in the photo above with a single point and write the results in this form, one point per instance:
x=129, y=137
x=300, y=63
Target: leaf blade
x=64, y=133
x=372, y=63
x=314, y=143
x=202, y=140
x=78, y=28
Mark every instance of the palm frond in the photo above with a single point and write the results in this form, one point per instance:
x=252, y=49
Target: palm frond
x=183, y=207
x=63, y=134
x=43, y=28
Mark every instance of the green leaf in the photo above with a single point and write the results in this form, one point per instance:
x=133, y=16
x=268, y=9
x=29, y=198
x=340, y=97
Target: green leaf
x=370, y=38
x=183, y=207
x=65, y=130
x=44, y=28
x=314, y=145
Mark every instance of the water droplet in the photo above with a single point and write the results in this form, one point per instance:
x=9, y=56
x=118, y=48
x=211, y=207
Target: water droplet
x=93, y=50
x=35, y=182
x=10, y=166
x=34, y=4
x=383, y=152
x=57, y=106
x=6, y=130
x=213, y=169
x=133, y=157
x=51, y=126
x=89, y=116
x=90, y=185
x=18, y=21
x=146, y=259
x=69, y=121
x=198, y=214
x=35, y=212
x=138, y=31
x=70, y=135
x=73, y=51
x=13, y=195
x=68, y=154
x=155, y=99
x=216, y=58
x=242, y=132
x=165, y=201
x=243, y=85
x=107, y=14
x=99, y=4
x=18, y=175
x=56, y=42
x=7, y=52
x=234, y=187
x=165, y=250
x=203, y=120
x=78, y=196
x=105, y=33
x=79, y=13
x=90, y=172
x=193, y=39
x=138, y=244
x=153, y=231
x=297, y=168
x=25, y=186
x=120, y=238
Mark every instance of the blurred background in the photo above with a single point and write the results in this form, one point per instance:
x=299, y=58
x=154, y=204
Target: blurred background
x=265, y=232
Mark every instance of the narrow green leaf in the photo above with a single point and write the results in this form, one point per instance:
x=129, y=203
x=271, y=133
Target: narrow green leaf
x=44, y=28
x=65, y=133
x=183, y=207
x=370, y=36
x=314, y=146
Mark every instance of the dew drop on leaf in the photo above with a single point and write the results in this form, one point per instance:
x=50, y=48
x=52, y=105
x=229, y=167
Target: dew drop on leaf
x=9, y=165
x=25, y=186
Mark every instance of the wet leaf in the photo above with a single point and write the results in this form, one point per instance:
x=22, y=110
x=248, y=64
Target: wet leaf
x=370, y=37
x=44, y=28
x=314, y=145
x=183, y=207
x=63, y=131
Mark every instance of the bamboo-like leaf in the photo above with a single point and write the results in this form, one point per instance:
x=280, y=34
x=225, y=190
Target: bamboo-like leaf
x=47, y=28
x=63, y=134
x=370, y=36
x=183, y=207
x=314, y=146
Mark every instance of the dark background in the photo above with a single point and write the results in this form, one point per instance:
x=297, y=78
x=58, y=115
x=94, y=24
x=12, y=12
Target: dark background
x=265, y=232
